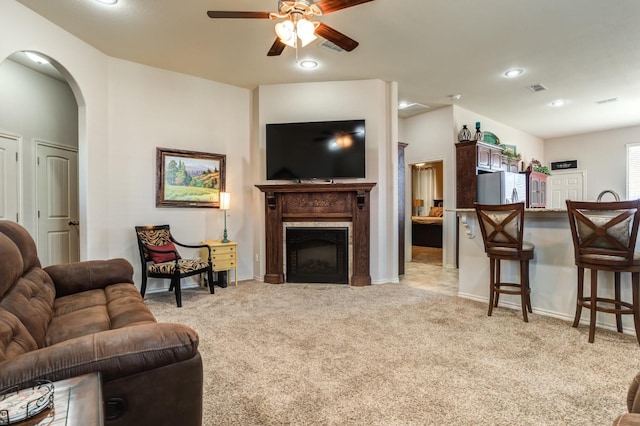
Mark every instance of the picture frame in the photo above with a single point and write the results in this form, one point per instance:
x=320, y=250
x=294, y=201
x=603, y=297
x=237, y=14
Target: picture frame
x=189, y=178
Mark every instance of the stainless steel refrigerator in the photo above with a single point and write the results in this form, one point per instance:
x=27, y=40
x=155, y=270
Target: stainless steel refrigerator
x=502, y=188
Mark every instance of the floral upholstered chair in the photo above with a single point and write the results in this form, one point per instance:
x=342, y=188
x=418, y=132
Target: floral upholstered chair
x=160, y=259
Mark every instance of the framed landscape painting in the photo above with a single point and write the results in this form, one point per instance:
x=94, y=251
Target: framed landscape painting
x=189, y=178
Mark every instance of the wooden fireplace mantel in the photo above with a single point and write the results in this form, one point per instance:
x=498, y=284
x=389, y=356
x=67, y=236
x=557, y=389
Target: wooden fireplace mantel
x=349, y=202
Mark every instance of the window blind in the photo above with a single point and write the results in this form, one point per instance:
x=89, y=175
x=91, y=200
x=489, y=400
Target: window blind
x=633, y=171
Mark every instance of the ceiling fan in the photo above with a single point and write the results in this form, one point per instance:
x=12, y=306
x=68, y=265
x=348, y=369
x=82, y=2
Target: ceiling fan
x=297, y=28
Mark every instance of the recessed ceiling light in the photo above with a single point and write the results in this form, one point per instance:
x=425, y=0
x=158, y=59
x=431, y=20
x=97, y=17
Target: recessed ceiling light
x=513, y=72
x=558, y=103
x=36, y=58
x=308, y=64
x=107, y=1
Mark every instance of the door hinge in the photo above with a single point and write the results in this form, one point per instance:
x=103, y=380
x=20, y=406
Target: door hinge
x=38, y=161
x=38, y=214
x=17, y=217
x=16, y=157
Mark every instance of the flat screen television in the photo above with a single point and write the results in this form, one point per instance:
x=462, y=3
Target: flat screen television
x=316, y=150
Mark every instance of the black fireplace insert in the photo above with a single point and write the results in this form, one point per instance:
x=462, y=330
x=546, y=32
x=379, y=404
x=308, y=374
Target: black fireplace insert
x=317, y=255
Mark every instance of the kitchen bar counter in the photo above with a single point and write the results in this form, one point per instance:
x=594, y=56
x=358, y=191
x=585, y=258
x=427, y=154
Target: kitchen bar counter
x=553, y=274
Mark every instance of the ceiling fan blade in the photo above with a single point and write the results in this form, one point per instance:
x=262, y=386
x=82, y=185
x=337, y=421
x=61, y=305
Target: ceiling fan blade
x=276, y=48
x=336, y=37
x=329, y=6
x=224, y=14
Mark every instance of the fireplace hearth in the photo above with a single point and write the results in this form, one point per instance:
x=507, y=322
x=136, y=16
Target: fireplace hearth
x=317, y=255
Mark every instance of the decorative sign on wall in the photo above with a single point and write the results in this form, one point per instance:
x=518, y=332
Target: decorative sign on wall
x=562, y=165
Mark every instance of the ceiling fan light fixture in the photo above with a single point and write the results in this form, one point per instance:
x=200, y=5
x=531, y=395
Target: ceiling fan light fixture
x=285, y=31
x=306, y=31
x=304, y=28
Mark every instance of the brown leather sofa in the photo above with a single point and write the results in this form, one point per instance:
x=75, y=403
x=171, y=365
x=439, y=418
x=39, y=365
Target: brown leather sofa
x=67, y=320
x=632, y=418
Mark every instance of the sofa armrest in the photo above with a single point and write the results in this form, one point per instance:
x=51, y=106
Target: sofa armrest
x=628, y=419
x=114, y=353
x=73, y=278
x=633, y=395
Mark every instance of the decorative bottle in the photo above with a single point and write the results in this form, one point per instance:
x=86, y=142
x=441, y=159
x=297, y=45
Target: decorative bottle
x=465, y=134
x=478, y=135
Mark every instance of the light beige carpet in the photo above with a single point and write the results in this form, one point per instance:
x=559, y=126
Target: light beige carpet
x=315, y=354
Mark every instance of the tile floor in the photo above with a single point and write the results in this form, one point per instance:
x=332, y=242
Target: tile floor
x=430, y=276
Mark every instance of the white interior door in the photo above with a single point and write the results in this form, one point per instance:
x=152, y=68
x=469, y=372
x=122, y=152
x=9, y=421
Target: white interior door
x=57, y=188
x=565, y=186
x=10, y=184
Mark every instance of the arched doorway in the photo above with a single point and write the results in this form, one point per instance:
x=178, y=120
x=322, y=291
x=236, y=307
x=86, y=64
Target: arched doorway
x=39, y=111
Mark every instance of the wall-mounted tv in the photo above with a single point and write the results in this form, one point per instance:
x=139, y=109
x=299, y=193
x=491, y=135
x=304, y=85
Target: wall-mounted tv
x=316, y=150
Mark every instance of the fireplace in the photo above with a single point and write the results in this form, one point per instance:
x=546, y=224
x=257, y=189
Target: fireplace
x=311, y=205
x=317, y=255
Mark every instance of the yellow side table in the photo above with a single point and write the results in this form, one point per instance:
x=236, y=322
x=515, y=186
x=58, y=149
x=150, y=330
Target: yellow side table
x=223, y=257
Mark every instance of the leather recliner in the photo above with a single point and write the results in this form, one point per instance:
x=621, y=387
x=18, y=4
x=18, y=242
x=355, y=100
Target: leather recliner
x=67, y=320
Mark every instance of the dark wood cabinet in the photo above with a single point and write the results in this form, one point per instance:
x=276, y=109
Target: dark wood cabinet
x=489, y=157
x=473, y=157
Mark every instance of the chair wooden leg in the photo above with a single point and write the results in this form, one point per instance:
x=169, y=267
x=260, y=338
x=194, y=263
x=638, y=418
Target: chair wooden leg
x=496, y=283
x=617, y=299
x=523, y=289
x=210, y=278
x=579, y=298
x=143, y=286
x=492, y=292
x=593, y=304
x=175, y=283
x=635, y=287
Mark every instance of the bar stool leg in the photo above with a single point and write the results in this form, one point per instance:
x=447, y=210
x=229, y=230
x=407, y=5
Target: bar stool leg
x=497, y=283
x=523, y=289
x=593, y=304
x=528, y=288
x=579, y=298
x=617, y=304
x=492, y=290
x=635, y=286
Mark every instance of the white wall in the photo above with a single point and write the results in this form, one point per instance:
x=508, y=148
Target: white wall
x=35, y=107
x=531, y=147
x=432, y=136
x=372, y=100
x=601, y=154
x=125, y=111
x=150, y=108
x=86, y=69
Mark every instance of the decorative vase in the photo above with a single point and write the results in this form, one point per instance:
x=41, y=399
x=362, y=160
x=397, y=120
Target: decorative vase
x=465, y=134
x=478, y=135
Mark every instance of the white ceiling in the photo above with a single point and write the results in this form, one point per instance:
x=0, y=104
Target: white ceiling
x=583, y=51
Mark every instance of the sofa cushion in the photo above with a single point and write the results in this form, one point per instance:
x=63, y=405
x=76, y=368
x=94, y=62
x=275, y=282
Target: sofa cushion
x=15, y=340
x=93, y=311
x=25, y=294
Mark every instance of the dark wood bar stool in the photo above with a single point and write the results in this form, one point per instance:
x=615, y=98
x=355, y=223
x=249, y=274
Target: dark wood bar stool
x=502, y=231
x=604, y=239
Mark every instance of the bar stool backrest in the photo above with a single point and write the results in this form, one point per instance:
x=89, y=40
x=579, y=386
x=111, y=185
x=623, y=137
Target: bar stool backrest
x=501, y=226
x=604, y=232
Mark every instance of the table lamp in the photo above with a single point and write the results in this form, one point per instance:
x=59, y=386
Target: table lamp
x=225, y=201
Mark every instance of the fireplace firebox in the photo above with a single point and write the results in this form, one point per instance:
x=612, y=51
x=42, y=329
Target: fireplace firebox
x=317, y=255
